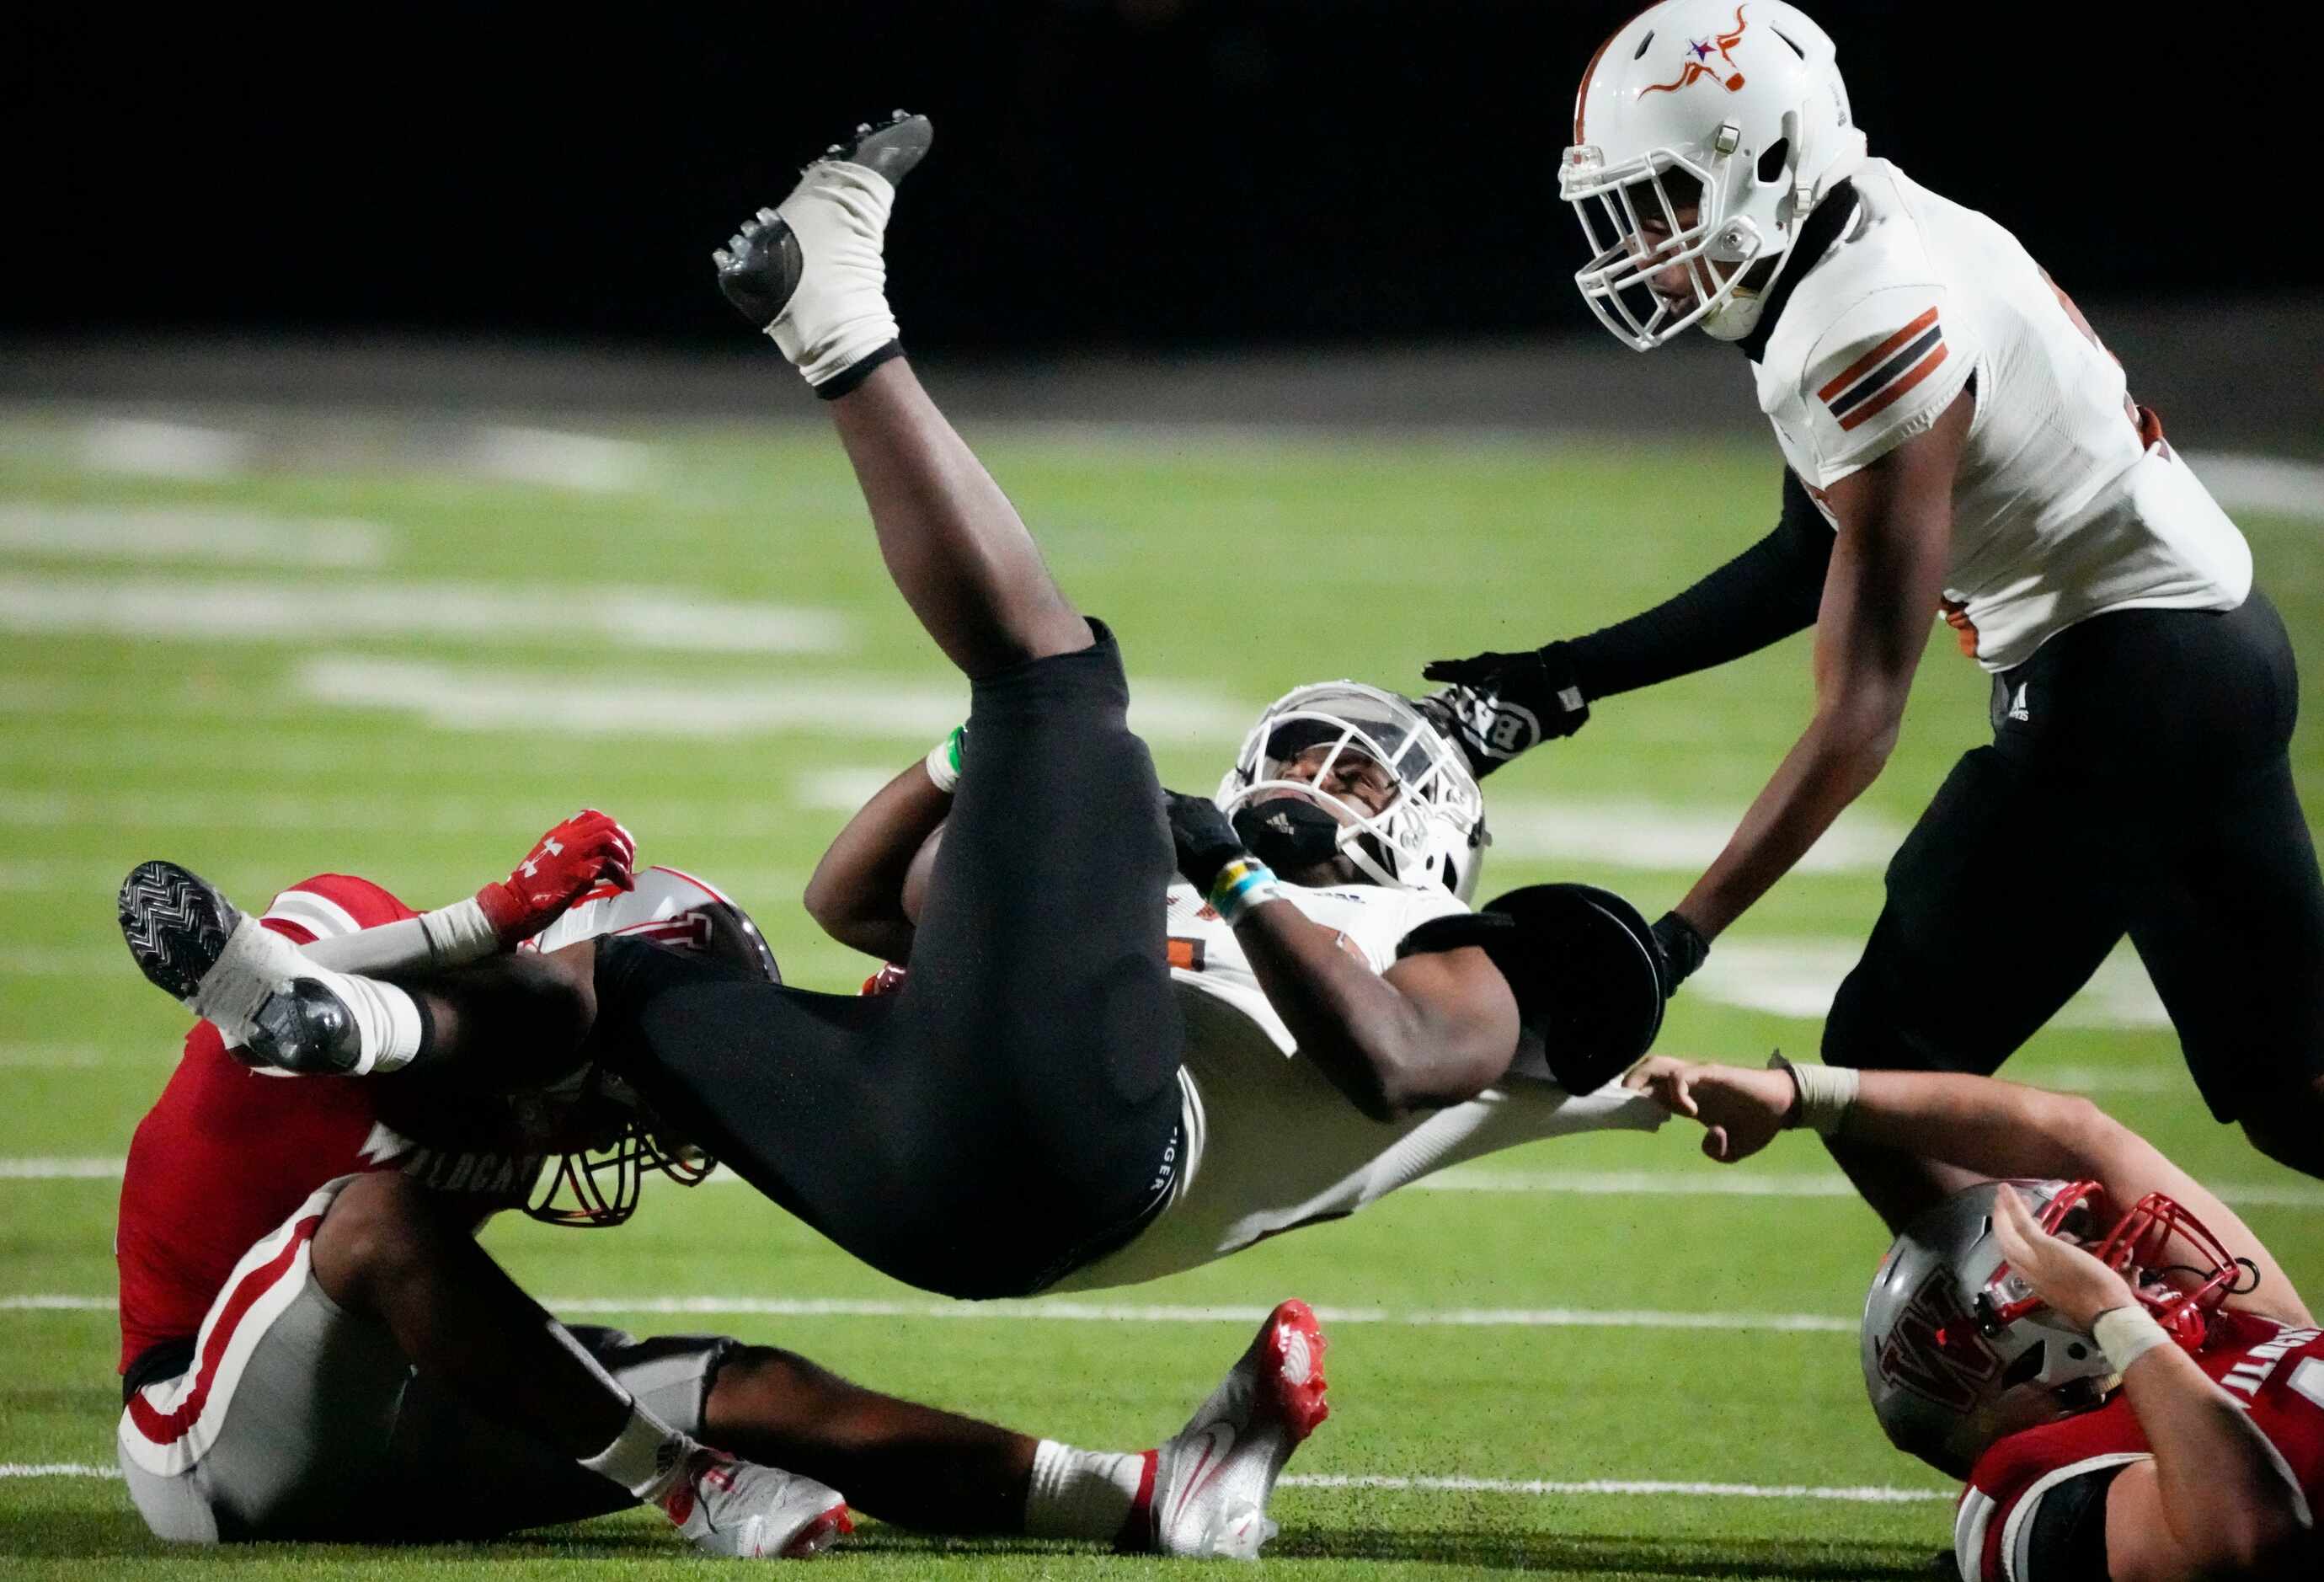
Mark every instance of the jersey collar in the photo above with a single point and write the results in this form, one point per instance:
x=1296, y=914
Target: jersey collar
x=1816, y=237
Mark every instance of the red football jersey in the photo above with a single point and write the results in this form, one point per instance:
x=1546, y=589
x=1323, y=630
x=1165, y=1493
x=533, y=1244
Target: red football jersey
x=229, y=1151
x=2275, y=1371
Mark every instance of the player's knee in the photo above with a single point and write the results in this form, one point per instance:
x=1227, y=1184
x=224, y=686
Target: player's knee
x=764, y=1390
x=2289, y=1126
x=373, y=1232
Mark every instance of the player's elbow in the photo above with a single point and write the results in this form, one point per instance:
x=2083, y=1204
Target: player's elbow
x=1861, y=724
x=2263, y=1539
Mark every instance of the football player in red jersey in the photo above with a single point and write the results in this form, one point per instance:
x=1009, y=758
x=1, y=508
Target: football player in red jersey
x=2125, y=1377
x=314, y=1346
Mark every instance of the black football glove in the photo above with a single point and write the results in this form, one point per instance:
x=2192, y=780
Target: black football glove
x=1494, y=706
x=1681, y=947
x=1201, y=838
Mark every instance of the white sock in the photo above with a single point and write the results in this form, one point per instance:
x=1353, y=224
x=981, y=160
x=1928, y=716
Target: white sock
x=645, y=1457
x=386, y=1018
x=1084, y=1494
x=839, y=314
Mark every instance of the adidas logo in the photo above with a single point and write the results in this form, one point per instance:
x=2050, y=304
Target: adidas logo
x=2018, y=709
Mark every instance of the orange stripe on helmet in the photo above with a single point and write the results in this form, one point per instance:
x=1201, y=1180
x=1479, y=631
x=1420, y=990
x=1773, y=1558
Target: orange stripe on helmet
x=1590, y=70
x=1878, y=354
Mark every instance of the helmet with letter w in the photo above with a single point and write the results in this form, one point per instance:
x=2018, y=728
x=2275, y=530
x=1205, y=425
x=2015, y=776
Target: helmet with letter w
x=1957, y=1352
x=1734, y=111
x=599, y=1184
x=1422, y=826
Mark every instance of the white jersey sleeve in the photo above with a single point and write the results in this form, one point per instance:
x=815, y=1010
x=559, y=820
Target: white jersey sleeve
x=1885, y=371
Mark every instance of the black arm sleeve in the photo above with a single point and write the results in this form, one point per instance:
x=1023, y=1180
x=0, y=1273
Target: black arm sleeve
x=2067, y=1543
x=1762, y=596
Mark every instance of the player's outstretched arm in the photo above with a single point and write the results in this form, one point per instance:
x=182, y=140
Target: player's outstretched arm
x=588, y=850
x=1497, y=705
x=1996, y=1129
x=1434, y=1030
x=2217, y=1500
x=860, y=891
x=1879, y=601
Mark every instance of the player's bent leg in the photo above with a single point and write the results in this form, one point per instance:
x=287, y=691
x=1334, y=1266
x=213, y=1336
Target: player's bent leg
x=279, y=1425
x=393, y=1252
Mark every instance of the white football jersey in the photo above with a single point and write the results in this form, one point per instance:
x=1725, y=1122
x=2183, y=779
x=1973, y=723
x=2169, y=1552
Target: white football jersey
x=2065, y=505
x=1271, y=1145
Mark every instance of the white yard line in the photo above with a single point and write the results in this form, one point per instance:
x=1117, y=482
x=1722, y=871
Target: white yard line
x=1066, y=1311
x=1634, y=1488
x=477, y=698
x=1665, y=840
x=1798, y=976
x=2262, y=483
x=171, y=533
x=1468, y=1179
x=164, y=450
x=589, y=463
x=252, y=611
x=1626, y=1488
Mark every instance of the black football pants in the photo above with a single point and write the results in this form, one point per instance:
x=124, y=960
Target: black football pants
x=1012, y=1111
x=2139, y=783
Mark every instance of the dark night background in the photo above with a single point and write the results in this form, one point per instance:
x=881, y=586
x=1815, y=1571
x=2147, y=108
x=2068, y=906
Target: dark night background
x=1130, y=173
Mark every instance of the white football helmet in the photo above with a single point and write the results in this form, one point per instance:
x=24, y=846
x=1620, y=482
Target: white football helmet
x=1957, y=1353
x=1744, y=98
x=1432, y=836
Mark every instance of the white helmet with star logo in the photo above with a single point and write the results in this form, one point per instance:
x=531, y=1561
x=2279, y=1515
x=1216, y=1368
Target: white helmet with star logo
x=1735, y=109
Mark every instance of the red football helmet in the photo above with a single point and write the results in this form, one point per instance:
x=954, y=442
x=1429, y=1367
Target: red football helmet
x=2179, y=1270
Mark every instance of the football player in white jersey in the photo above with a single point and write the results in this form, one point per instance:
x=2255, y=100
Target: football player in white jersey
x=1955, y=438
x=1015, y=1113
x=1292, y=1115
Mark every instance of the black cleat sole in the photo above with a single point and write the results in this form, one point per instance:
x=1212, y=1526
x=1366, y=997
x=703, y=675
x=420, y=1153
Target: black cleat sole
x=175, y=924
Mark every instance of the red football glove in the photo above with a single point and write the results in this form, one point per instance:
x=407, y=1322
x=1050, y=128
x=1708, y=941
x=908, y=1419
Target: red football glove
x=587, y=849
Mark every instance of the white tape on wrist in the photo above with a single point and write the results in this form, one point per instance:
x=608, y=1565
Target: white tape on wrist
x=943, y=761
x=1827, y=1093
x=2127, y=1333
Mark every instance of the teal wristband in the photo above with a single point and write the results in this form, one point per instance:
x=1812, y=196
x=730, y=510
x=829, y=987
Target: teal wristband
x=1242, y=884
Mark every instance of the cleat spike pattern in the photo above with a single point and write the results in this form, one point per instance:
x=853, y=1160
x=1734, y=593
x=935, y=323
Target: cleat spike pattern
x=175, y=924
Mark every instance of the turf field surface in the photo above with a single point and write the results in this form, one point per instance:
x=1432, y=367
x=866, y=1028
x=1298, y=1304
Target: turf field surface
x=267, y=649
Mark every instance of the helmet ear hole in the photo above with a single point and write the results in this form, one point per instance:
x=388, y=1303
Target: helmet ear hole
x=1648, y=42
x=1772, y=162
x=2028, y=1367
x=1787, y=38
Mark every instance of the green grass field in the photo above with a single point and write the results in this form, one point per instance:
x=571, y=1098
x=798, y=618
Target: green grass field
x=273, y=724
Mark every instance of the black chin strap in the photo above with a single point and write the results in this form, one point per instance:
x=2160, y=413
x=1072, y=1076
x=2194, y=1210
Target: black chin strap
x=1816, y=237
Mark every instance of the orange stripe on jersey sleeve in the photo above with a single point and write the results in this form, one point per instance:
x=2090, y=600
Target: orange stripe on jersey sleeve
x=1873, y=358
x=1890, y=396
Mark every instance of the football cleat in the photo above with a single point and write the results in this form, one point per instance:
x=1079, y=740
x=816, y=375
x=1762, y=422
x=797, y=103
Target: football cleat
x=176, y=925
x=303, y=1027
x=743, y=1510
x=809, y=272
x=1211, y=1482
x=200, y=948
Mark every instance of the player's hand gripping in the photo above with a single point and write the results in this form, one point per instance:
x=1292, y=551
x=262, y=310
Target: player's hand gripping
x=2070, y=1283
x=1201, y=840
x=1494, y=706
x=1740, y=1110
x=587, y=849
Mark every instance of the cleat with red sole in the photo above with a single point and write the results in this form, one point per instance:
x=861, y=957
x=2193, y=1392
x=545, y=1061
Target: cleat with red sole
x=1210, y=1486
